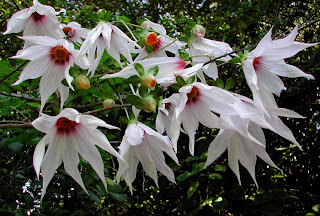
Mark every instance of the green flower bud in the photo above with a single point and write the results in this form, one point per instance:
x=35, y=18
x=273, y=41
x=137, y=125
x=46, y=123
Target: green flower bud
x=198, y=31
x=107, y=103
x=82, y=82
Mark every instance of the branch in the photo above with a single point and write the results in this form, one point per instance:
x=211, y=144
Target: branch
x=104, y=109
x=15, y=70
x=24, y=97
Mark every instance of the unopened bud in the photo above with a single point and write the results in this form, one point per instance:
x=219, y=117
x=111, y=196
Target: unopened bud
x=198, y=31
x=101, y=13
x=148, y=81
x=146, y=25
x=107, y=103
x=151, y=38
x=149, y=104
x=82, y=82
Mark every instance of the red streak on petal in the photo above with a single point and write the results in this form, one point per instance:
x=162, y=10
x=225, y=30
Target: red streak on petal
x=181, y=64
x=157, y=45
x=65, y=125
x=69, y=32
x=257, y=63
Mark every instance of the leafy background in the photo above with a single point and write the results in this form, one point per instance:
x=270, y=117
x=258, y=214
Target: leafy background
x=210, y=191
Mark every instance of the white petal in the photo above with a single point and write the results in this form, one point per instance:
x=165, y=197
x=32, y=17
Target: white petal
x=45, y=123
x=64, y=94
x=94, y=122
x=218, y=146
x=190, y=125
x=17, y=21
x=41, y=40
x=39, y=153
x=233, y=155
x=157, y=27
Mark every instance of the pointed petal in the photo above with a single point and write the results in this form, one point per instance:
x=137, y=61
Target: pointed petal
x=45, y=123
x=218, y=146
x=39, y=153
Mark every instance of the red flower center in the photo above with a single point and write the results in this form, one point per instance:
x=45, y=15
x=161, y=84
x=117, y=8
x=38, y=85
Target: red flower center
x=193, y=94
x=65, y=126
x=256, y=63
x=69, y=32
x=60, y=55
x=151, y=39
x=36, y=17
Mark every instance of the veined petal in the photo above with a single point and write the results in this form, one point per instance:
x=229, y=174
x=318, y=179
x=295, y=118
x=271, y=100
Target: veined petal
x=190, y=125
x=157, y=27
x=71, y=161
x=94, y=122
x=41, y=40
x=33, y=53
x=218, y=146
x=272, y=82
x=288, y=40
x=143, y=154
x=250, y=72
x=265, y=43
x=284, y=112
x=39, y=153
x=17, y=21
x=45, y=123
x=233, y=155
x=64, y=94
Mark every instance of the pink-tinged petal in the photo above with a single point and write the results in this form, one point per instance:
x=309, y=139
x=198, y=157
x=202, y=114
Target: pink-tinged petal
x=45, y=123
x=159, y=159
x=64, y=94
x=288, y=40
x=91, y=154
x=283, y=69
x=17, y=21
x=218, y=146
x=52, y=160
x=263, y=45
x=71, y=161
x=34, y=69
x=41, y=40
x=233, y=151
x=157, y=27
x=143, y=154
x=250, y=72
x=39, y=153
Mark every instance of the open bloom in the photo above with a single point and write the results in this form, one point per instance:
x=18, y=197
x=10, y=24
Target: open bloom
x=201, y=47
x=74, y=31
x=38, y=20
x=196, y=103
x=141, y=143
x=67, y=135
x=265, y=63
x=109, y=37
x=51, y=59
x=240, y=147
x=159, y=41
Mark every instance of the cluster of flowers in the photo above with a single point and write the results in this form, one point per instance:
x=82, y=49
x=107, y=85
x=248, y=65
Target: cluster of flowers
x=50, y=47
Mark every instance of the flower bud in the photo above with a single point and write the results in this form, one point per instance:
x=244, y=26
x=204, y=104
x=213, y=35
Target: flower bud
x=107, y=103
x=149, y=104
x=148, y=81
x=151, y=38
x=82, y=82
x=146, y=25
x=198, y=31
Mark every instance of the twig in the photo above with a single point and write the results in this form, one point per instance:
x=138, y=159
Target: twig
x=162, y=48
x=11, y=125
x=15, y=70
x=15, y=4
x=25, y=97
x=104, y=109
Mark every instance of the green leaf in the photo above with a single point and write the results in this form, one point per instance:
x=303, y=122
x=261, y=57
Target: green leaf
x=149, y=48
x=32, y=104
x=175, y=87
x=133, y=99
x=229, y=84
x=192, y=188
x=192, y=158
x=124, y=18
x=180, y=81
x=219, y=83
x=219, y=204
x=139, y=68
x=154, y=71
x=156, y=92
x=215, y=176
x=143, y=91
x=134, y=79
x=221, y=168
x=261, y=199
x=113, y=186
x=316, y=208
x=94, y=197
x=191, y=79
x=119, y=197
x=235, y=60
x=4, y=63
x=123, y=120
x=16, y=146
x=184, y=176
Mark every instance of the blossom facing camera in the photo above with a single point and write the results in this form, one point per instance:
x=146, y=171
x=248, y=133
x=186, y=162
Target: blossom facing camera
x=74, y=31
x=151, y=38
x=51, y=60
x=67, y=135
x=142, y=144
x=82, y=82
